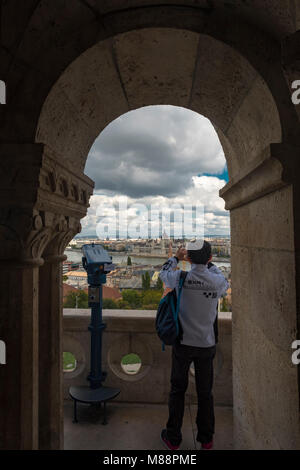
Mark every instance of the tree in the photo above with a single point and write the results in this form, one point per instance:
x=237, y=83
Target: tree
x=159, y=284
x=129, y=262
x=133, y=298
x=109, y=303
x=146, y=281
x=77, y=299
x=224, y=307
x=123, y=304
x=151, y=299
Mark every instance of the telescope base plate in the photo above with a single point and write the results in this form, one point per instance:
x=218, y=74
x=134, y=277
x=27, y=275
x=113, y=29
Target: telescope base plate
x=85, y=394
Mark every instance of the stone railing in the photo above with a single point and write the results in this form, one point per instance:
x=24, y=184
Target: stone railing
x=133, y=331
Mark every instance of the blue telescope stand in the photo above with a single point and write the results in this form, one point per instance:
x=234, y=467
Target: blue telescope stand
x=97, y=262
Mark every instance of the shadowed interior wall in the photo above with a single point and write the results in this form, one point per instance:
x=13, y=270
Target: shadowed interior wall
x=70, y=69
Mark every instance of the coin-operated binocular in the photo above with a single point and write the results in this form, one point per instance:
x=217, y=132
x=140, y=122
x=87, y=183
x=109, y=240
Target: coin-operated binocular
x=97, y=263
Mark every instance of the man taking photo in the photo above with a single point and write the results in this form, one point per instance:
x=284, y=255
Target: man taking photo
x=203, y=286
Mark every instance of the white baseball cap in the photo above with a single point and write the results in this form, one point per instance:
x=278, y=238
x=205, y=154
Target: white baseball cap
x=196, y=244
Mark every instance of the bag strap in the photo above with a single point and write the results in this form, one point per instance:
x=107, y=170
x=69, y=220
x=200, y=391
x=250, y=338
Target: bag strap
x=182, y=278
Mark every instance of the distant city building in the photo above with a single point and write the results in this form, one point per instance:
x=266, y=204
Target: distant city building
x=135, y=282
x=77, y=279
x=70, y=266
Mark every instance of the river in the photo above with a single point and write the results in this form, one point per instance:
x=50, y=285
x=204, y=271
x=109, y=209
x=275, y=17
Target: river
x=121, y=259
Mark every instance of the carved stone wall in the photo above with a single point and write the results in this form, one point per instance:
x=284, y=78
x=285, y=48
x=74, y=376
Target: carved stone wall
x=42, y=202
x=41, y=205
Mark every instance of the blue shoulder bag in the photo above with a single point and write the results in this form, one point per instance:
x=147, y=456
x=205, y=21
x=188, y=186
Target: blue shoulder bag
x=167, y=322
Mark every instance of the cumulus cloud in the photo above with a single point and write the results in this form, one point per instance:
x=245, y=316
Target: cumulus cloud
x=154, y=150
x=110, y=211
x=151, y=156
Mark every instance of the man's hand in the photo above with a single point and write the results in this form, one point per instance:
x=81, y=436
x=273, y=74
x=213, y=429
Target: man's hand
x=181, y=253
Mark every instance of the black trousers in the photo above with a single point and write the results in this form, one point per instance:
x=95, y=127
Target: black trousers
x=182, y=357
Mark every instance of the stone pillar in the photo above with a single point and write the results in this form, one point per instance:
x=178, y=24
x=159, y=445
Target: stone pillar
x=264, y=316
x=50, y=354
x=50, y=335
x=291, y=65
x=19, y=377
x=23, y=238
x=41, y=205
x=64, y=197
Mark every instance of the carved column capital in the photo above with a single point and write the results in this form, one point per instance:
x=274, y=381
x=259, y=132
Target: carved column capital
x=276, y=167
x=64, y=229
x=41, y=206
x=23, y=236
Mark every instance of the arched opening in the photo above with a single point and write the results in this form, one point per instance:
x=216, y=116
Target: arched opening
x=165, y=157
x=159, y=155
x=202, y=74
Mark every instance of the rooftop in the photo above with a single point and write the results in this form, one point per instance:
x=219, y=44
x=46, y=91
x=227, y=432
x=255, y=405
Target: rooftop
x=76, y=273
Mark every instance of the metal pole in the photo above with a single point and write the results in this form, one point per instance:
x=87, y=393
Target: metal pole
x=96, y=327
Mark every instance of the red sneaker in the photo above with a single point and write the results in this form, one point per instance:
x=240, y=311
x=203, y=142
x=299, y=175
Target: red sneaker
x=166, y=442
x=207, y=445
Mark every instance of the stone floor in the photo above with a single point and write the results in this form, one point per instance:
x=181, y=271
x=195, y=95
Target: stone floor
x=137, y=426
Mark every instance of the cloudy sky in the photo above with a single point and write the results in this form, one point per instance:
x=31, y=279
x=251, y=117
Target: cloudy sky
x=159, y=158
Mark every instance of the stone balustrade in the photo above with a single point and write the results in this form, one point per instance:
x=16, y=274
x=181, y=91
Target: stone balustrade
x=133, y=331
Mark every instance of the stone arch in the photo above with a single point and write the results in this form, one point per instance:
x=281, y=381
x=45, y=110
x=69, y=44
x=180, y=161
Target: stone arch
x=86, y=26
x=160, y=66
x=139, y=68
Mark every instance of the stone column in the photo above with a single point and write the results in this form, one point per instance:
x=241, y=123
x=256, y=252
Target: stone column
x=264, y=316
x=23, y=238
x=63, y=196
x=50, y=339
x=291, y=65
x=50, y=354
x=41, y=205
x=19, y=377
